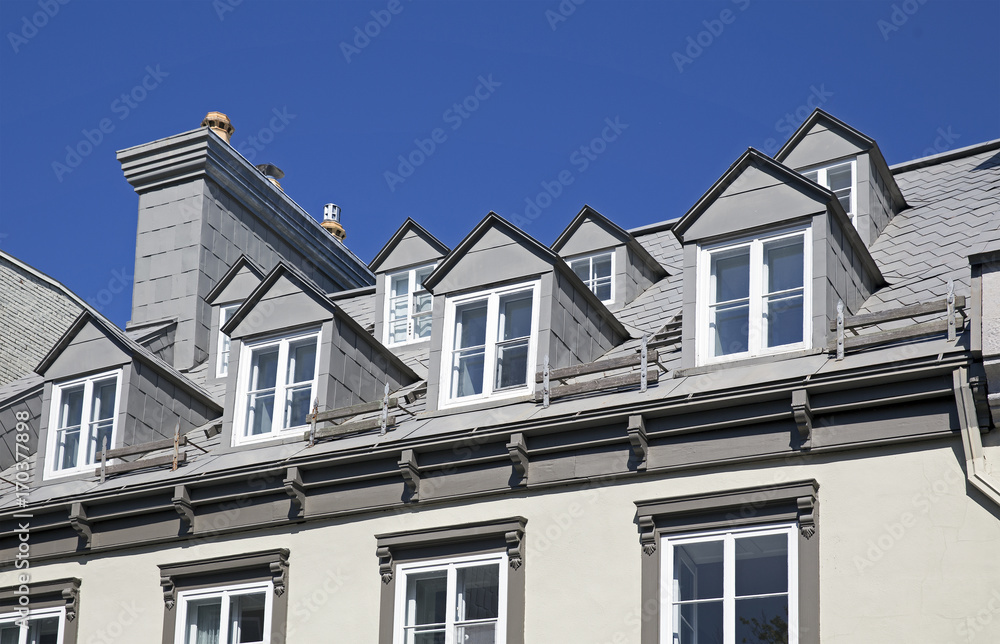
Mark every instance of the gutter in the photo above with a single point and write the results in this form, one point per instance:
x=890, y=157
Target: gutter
x=976, y=468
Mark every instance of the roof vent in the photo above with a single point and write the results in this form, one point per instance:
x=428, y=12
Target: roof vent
x=273, y=173
x=220, y=124
x=331, y=221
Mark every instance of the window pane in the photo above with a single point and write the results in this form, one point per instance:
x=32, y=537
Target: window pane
x=264, y=368
x=421, y=275
x=784, y=321
x=700, y=623
x=10, y=634
x=303, y=357
x=845, y=200
x=204, y=618
x=261, y=413
x=470, y=320
x=698, y=570
x=399, y=308
x=478, y=593
x=71, y=414
x=298, y=407
x=422, y=303
x=762, y=620
x=582, y=268
x=397, y=332
x=426, y=595
x=839, y=177
x=69, y=446
x=761, y=564
x=400, y=284
x=784, y=265
x=732, y=329
x=732, y=276
x=422, y=326
x=426, y=637
x=469, y=373
x=512, y=365
x=103, y=405
x=602, y=265
x=246, y=614
x=43, y=631
x=515, y=318
x=100, y=440
x=476, y=634
x=602, y=289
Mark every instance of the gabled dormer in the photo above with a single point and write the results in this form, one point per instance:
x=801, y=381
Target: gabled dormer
x=291, y=346
x=232, y=290
x=607, y=258
x=105, y=391
x=402, y=304
x=502, y=302
x=767, y=256
x=849, y=163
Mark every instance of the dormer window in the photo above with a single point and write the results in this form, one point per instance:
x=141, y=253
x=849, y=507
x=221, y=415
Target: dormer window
x=755, y=296
x=840, y=179
x=491, y=339
x=278, y=385
x=82, y=422
x=225, y=312
x=408, y=306
x=597, y=272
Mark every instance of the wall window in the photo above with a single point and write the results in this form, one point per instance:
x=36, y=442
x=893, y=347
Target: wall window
x=490, y=340
x=754, y=296
x=43, y=626
x=232, y=615
x=225, y=313
x=732, y=586
x=408, y=306
x=840, y=179
x=278, y=382
x=452, y=601
x=597, y=272
x=82, y=422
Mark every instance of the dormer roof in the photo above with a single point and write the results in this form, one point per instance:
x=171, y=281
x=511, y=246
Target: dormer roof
x=238, y=282
x=408, y=246
x=600, y=232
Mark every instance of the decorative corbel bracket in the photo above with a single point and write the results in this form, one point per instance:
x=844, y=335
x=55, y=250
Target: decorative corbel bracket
x=295, y=490
x=803, y=416
x=637, y=437
x=519, y=457
x=78, y=521
x=807, y=515
x=410, y=472
x=647, y=534
x=384, y=564
x=514, y=556
x=279, y=573
x=71, y=595
x=169, y=592
x=183, y=506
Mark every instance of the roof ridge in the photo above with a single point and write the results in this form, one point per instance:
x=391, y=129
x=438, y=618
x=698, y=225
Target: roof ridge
x=949, y=155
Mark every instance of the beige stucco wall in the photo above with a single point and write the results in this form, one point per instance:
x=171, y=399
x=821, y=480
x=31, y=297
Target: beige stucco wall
x=906, y=556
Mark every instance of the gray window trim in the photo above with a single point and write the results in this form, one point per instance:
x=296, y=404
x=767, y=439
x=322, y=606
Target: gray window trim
x=783, y=503
x=452, y=541
x=265, y=565
x=58, y=593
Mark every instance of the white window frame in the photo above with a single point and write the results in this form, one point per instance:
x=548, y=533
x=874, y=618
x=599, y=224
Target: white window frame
x=241, y=414
x=51, y=460
x=225, y=344
x=451, y=564
x=590, y=282
x=757, y=332
x=492, y=324
x=225, y=593
x=41, y=613
x=728, y=537
x=821, y=178
x=411, y=293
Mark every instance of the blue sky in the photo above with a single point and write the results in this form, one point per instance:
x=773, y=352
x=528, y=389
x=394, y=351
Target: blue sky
x=637, y=106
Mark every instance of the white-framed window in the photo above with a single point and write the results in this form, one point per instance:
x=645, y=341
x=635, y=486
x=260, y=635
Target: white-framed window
x=754, y=296
x=598, y=273
x=225, y=313
x=277, y=386
x=730, y=586
x=42, y=626
x=841, y=179
x=489, y=344
x=239, y=614
x=452, y=601
x=82, y=421
x=408, y=306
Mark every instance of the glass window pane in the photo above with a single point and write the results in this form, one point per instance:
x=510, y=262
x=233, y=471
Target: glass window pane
x=761, y=564
x=10, y=634
x=784, y=321
x=469, y=373
x=426, y=637
x=732, y=330
x=69, y=446
x=399, y=308
x=422, y=303
x=839, y=177
x=784, y=265
x=298, y=407
x=261, y=413
x=246, y=614
x=470, y=321
x=700, y=623
x=476, y=634
x=478, y=593
x=698, y=570
x=762, y=620
x=581, y=267
x=515, y=316
x=421, y=275
x=845, y=200
x=264, y=368
x=397, y=332
x=71, y=414
x=732, y=276
x=100, y=440
x=603, y=290
x=512, y=365
x=426, y=595
x=400, y=284
x=303, y=357
x=204, y=619
x=422, y=326
x=103, y=405
x=43, y=631
x=602, y=265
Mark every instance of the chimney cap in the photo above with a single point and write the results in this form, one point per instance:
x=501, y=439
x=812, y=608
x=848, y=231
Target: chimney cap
x=220, y=123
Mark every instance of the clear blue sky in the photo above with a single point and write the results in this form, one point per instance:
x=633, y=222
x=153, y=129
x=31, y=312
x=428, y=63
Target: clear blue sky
x=691, y=85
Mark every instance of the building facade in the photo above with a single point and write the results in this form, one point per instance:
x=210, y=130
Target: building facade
x=769, y=419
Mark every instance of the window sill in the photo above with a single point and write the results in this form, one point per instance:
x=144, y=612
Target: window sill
x=490, y=403
x=745, y=362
